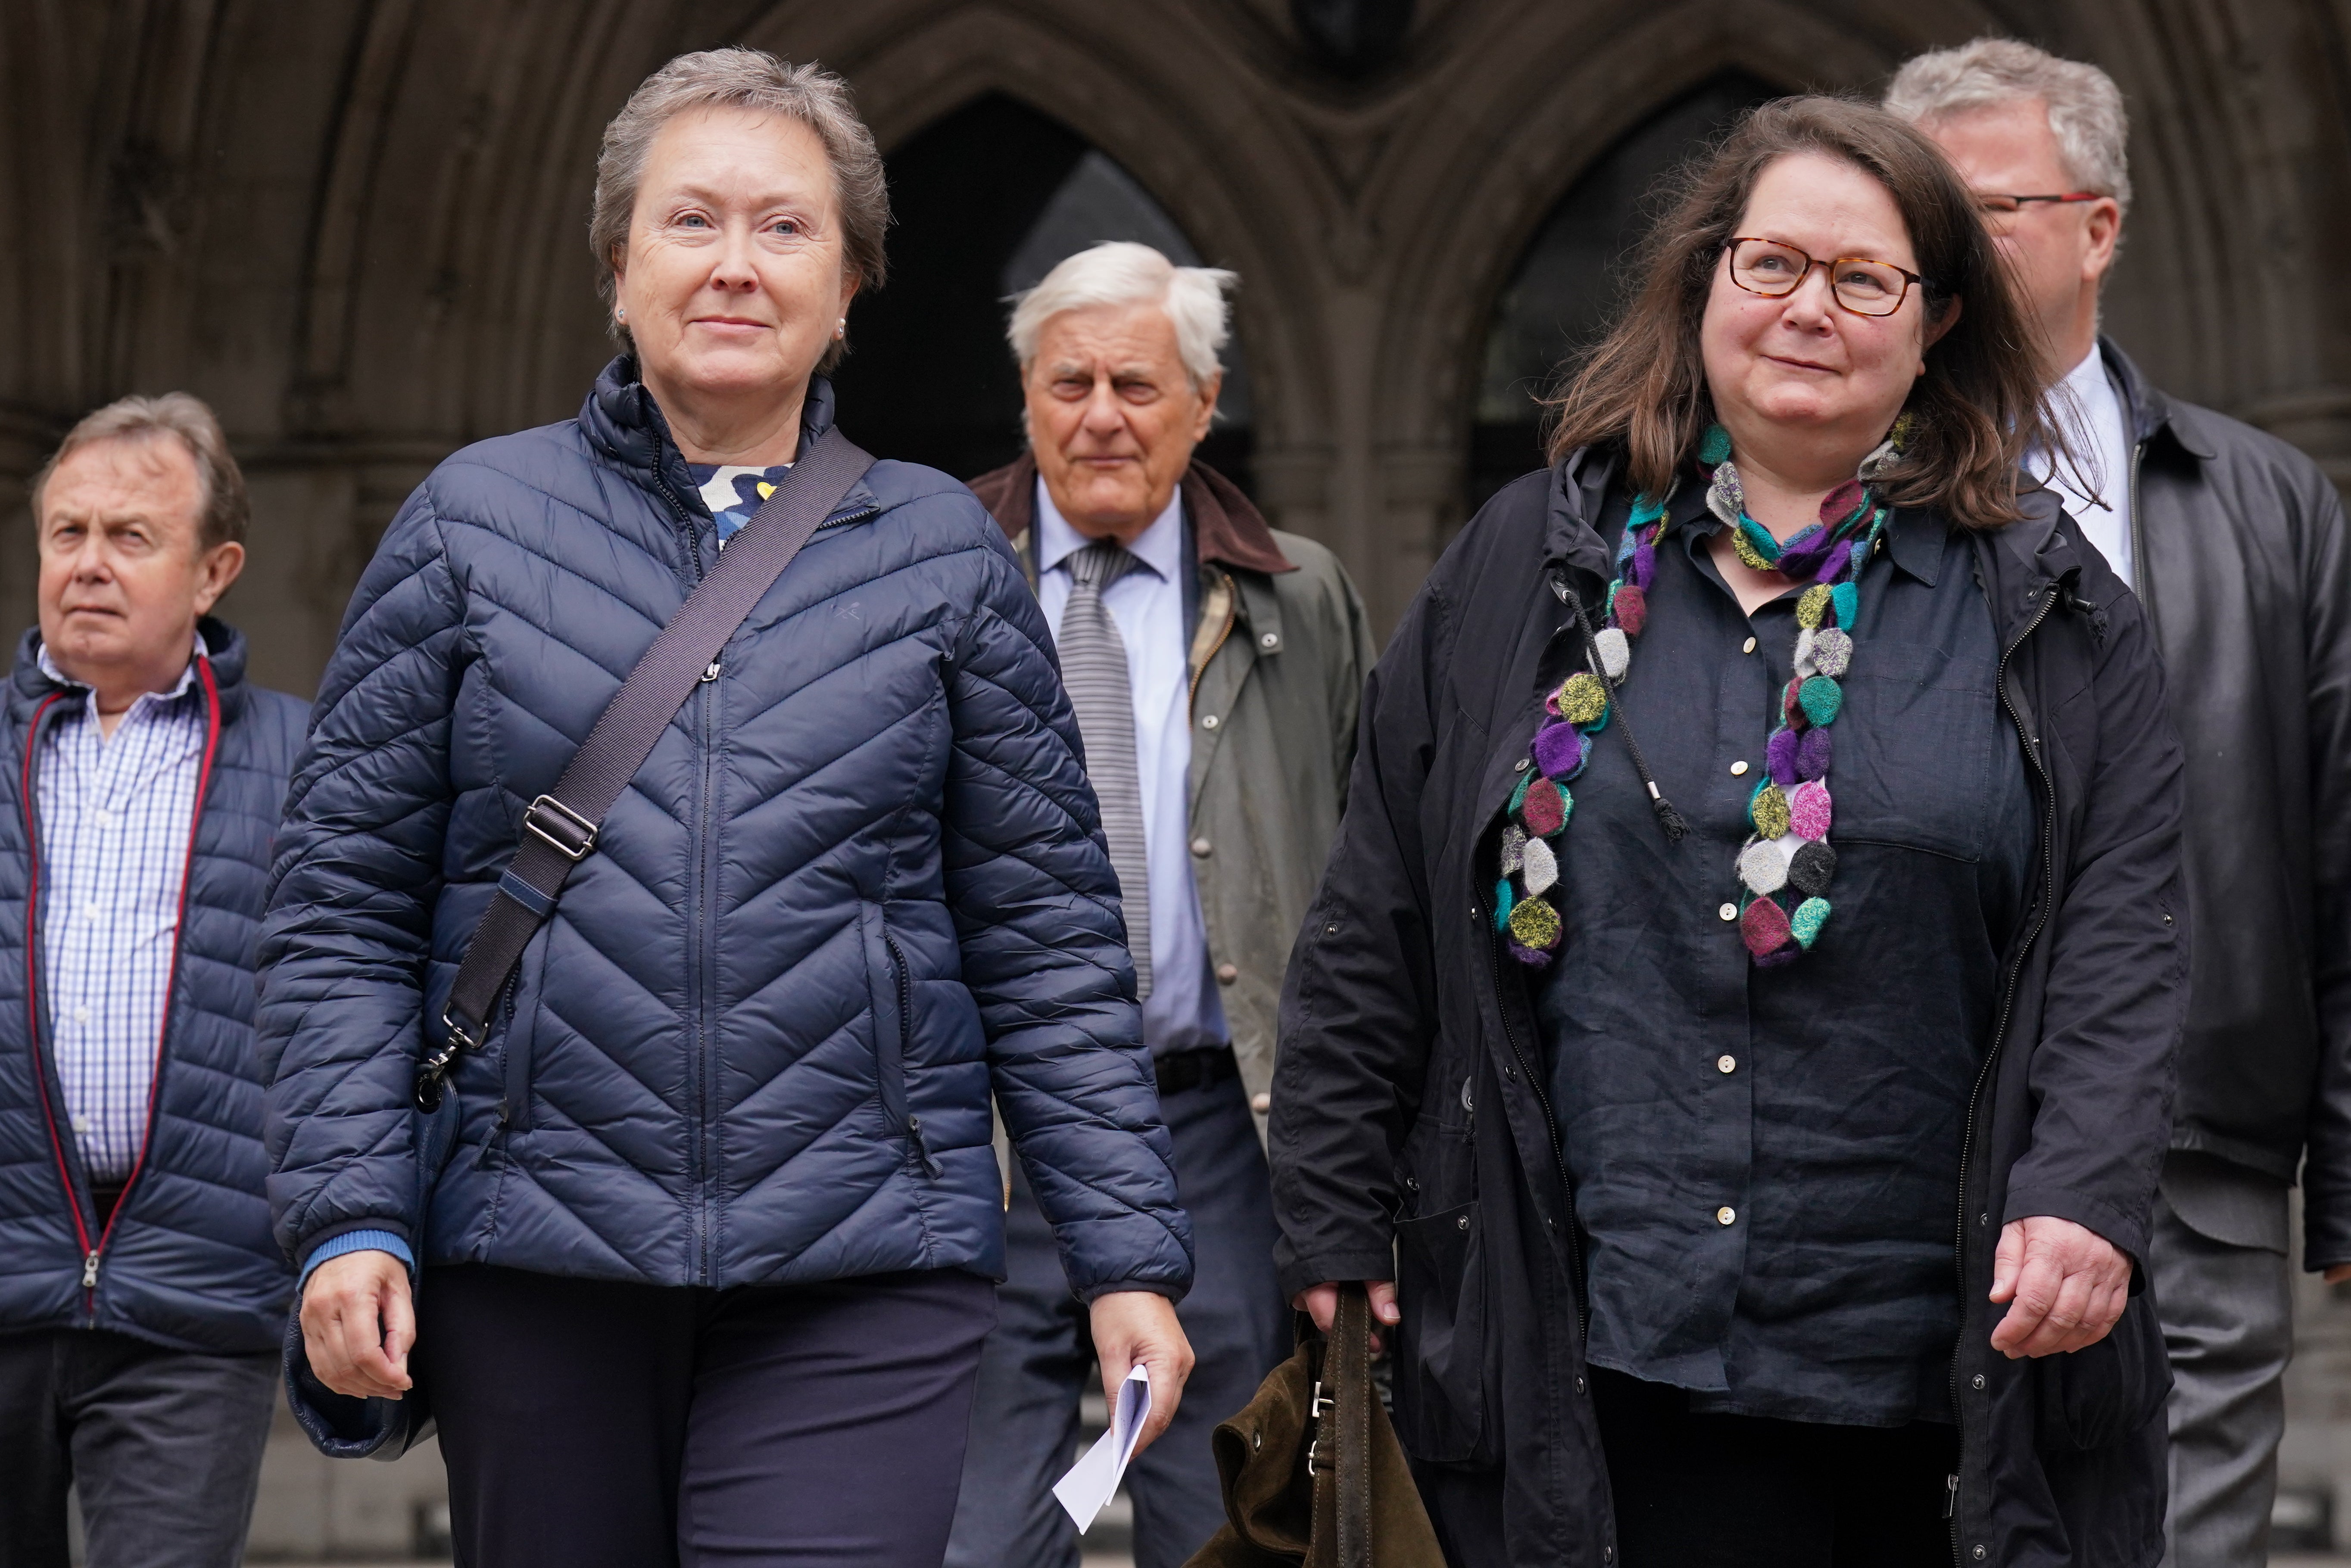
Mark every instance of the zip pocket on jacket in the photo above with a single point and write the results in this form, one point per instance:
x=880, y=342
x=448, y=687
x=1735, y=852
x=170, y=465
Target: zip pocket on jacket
x=894, y=1009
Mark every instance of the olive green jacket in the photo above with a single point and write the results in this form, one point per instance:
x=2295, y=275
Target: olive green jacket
x=1278, y=666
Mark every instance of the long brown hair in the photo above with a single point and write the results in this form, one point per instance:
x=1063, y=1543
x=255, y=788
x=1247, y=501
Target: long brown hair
x=1974, y=414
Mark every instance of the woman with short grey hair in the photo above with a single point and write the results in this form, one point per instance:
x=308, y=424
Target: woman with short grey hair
x=705, y=1274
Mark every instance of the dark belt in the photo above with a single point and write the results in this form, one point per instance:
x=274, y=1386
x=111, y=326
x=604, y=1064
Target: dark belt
x=1195, y=1069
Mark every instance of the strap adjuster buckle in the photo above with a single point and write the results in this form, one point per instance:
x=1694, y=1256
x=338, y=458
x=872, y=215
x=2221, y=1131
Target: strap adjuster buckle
x=560, y=828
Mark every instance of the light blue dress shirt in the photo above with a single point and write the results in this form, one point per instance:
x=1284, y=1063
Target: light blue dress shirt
x=117, y=815
x=1182, y=1011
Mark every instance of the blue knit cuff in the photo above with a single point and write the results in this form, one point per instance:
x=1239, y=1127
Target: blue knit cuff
x=358, y=1241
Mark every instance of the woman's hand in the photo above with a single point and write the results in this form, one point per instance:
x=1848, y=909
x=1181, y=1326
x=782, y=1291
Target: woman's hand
x=1139, y=1328
x=2067, y=1282
x=1321, y=1302
x=358, y=1323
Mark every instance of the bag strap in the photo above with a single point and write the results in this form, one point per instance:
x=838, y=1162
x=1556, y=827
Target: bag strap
x=560, y=829
x=1347, y=1374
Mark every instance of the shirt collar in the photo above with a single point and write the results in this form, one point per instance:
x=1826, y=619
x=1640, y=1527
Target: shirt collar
x=1161, y=547
x=187, y=676
x=2088, y=381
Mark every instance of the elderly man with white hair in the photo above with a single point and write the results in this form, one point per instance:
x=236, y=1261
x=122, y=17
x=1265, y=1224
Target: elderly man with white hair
x=2235, y=543
x=1215, y=665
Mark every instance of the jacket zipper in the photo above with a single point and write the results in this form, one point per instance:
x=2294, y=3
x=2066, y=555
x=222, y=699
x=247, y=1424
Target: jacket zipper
x=35, y=1033
x=2138, y=548
x=918, y=1150
x=94, y=1252
x=2000, y=1031
x=697, y=991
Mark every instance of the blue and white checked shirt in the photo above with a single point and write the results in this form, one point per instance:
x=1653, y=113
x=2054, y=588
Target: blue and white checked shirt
x=115, y=821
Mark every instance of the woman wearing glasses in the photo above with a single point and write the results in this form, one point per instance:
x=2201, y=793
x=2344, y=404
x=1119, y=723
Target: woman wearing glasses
x=1734, y=1037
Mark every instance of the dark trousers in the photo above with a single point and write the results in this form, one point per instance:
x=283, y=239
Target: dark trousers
x=1024, y=1425
x=1741, y=1491
x=163, y=1447
x=593, y=1425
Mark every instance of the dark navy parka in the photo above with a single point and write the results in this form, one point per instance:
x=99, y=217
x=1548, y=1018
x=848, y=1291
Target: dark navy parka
x=858, y=883
x=1412, y=1135
x=187, y=1260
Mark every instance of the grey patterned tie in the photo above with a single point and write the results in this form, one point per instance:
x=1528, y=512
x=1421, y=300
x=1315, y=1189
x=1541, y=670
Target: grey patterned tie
x=1094, y=668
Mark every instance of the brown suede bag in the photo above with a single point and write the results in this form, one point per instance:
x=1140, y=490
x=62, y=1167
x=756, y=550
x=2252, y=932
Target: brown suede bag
x=1312, y=1472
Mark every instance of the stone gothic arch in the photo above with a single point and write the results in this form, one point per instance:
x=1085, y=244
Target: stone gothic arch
x=356, y=226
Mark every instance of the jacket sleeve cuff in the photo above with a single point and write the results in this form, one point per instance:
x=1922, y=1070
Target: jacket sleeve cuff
x=357, y=1241
x=2326, y=1233
x=2027, y=1203
x=1092, y=1294
x=1304, y=1273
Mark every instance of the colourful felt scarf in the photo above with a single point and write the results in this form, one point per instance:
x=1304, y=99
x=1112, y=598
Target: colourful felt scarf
x=1785, y=866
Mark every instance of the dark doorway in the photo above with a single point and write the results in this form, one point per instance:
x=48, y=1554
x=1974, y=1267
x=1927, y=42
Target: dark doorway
x=1568, y=285
x=987, y=201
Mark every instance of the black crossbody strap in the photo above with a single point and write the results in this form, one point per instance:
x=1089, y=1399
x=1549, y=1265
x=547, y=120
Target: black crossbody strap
x=561, y=827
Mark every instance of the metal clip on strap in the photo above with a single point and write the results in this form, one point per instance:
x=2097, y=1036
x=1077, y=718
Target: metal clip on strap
x=562, y=829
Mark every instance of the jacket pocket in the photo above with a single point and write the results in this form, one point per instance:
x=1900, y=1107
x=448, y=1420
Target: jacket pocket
x=1440, y=1372
x=514, y=1034
x=2092, y=1397
x=894, y=1005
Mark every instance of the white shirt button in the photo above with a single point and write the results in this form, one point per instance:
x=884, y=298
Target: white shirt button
x=89, y=911
x=1748, y=647
x=1200, y=847
x=81, y=1015
x=1728, y=911
x=106, y=819
x=1739, y=770
x=1209, y=723
x=1726, y=1063
x=1261, y=1102
x=1725, y=1215
x=81, y=1124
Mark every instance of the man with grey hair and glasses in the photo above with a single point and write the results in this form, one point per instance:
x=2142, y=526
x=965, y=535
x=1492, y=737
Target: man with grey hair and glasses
x=1215, y=665
x=2234, y=541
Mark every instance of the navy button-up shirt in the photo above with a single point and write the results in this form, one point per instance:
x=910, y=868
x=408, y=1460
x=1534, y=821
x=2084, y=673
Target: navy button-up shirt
x=1767, y=1160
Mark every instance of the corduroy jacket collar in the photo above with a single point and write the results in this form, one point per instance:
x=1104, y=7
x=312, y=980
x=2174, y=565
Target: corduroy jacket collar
x=1229, y=529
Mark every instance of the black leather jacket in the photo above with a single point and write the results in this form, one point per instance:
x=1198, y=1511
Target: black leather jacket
x=2245, y=571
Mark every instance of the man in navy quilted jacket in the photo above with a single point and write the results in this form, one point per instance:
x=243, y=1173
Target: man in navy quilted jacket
x=142, y=1296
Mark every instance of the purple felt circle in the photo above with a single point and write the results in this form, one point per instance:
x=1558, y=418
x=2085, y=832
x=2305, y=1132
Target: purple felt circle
x=1559, y=749
x=1813, y=754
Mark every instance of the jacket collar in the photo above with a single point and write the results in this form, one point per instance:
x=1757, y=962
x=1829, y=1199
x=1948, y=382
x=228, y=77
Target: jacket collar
x=225, y=650
x=1229, y=529
x=627, y=429
x=2150, y=411
x=1579, y=489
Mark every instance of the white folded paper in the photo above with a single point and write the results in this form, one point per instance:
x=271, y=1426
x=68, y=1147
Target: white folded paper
x=1093, y=1479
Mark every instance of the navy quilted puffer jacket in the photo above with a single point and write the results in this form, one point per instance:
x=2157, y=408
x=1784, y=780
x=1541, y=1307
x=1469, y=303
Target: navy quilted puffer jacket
x=187, y=1260
x=858, y=883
